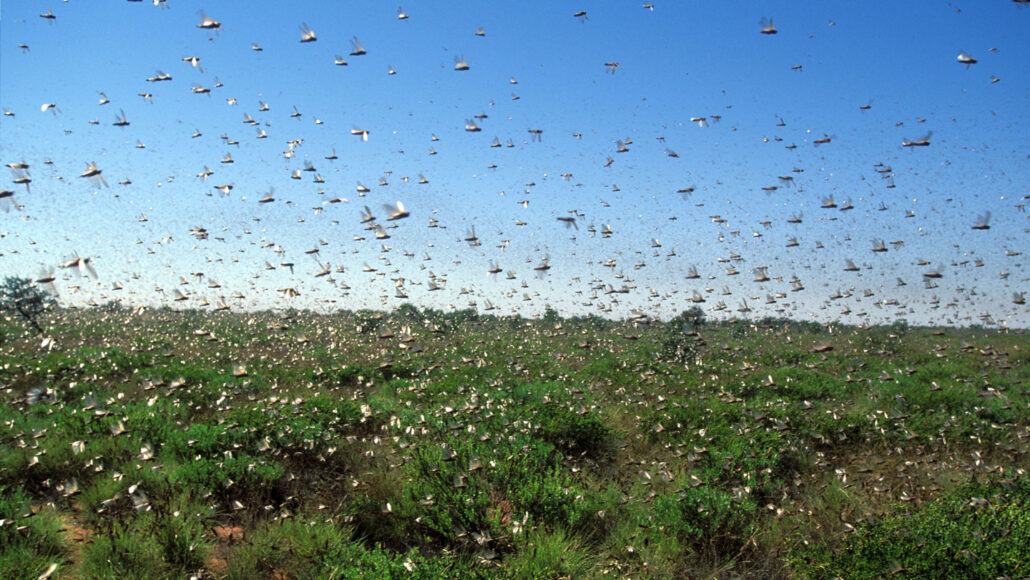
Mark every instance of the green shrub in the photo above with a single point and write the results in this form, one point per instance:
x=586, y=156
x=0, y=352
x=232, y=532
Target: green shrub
x=540, y=487
x=713, y=519
x=454, y=508
x=577, y=435
x=977, y=531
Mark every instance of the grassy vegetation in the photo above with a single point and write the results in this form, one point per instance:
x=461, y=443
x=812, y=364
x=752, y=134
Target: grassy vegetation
x=361, y=445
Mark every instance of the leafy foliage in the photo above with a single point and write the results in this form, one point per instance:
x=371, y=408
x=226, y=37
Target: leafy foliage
x=21, y=297
x=681, y=340
x=977, y=531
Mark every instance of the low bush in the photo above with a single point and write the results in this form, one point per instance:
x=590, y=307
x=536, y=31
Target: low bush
x=977, y=531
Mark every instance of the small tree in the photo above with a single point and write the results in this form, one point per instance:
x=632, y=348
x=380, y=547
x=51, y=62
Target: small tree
x=21, y=296
x=408, y=312
x=681, y=340
x=551, y=315
x=690, y=320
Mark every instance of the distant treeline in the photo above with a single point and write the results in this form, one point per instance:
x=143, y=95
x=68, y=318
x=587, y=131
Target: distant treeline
x=689, y=320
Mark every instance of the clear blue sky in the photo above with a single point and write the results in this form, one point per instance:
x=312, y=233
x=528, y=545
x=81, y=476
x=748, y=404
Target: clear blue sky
x=761, y=94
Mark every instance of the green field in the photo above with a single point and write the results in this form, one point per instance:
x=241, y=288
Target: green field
x=165, y=444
